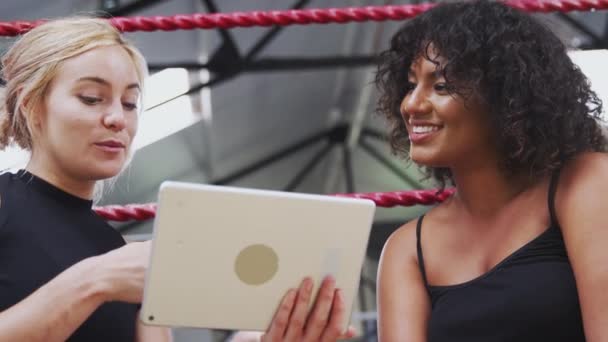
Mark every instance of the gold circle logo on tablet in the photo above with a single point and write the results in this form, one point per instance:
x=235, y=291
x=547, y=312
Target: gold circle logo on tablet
x=256, y=264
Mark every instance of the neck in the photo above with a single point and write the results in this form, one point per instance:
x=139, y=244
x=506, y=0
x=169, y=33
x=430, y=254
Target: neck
x=484, y=189
x=61, y=179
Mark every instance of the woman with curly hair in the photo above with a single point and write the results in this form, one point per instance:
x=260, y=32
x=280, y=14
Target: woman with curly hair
x=485, y=98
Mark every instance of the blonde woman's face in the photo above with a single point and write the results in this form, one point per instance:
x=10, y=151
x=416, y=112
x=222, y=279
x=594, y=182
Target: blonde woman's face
x=90, y=112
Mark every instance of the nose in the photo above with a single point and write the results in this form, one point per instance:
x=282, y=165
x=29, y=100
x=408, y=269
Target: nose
x=415, y=103
x=115, y=118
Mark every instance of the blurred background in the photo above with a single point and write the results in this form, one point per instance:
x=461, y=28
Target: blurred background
x=283, y=108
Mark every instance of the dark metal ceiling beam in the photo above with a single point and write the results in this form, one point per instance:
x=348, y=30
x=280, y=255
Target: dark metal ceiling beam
x=130, y=8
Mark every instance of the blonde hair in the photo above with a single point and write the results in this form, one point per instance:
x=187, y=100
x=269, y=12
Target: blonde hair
x=32, y=62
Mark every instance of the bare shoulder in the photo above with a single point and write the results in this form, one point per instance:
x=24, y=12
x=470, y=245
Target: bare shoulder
x=581, y=189
x=403, y=303
x=401, y=245
x=587, y=167
x=584, y=176
x=582, y=213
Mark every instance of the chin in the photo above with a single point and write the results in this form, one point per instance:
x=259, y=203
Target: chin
x=105, y=170
x=426, y=159
x=422, y=159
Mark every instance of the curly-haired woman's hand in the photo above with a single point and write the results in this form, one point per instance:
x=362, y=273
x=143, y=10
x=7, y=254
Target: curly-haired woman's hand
x=293, y=323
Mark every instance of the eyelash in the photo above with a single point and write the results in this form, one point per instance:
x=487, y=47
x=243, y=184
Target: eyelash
x=440, y=87
x=130, y=106
x=91, y=101
x=88, y=100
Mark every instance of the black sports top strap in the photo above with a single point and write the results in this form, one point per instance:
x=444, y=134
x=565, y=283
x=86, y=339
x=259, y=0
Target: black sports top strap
x=419, y=248
x=552, y=191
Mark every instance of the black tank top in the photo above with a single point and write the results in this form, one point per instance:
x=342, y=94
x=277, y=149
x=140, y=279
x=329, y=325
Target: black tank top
x=529, y=296
x=43, y=231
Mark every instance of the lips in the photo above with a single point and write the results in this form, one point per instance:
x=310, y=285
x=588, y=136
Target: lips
x=422, y=132
x=110, y=145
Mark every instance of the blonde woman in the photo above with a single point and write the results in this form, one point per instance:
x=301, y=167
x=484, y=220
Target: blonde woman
x=73, y=88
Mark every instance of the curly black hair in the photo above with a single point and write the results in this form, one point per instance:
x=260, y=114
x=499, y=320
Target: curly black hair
x=540, y=104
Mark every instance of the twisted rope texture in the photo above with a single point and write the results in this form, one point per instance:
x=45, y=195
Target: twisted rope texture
x=300, y=17
x=141, y=212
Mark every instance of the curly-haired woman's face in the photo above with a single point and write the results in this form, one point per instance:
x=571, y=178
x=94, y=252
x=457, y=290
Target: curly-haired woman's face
x=443, y=131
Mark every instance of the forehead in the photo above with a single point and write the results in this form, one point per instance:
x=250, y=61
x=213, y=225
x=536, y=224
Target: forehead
x=428, y=63
x=428, y=57
x=112, y=63
x=422, y=66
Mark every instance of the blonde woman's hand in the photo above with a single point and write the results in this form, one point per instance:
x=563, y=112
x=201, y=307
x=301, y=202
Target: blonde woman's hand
x=121, y=272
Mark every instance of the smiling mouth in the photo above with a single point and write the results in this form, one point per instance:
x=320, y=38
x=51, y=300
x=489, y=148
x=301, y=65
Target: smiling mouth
x=424, y=129
x=421, y=133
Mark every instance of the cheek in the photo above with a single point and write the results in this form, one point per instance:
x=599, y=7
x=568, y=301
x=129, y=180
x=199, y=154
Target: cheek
x=473, y=132
x=70, y=128
x=69, y=125
x=454, y=113
x=72, y=134
x=132, y=125
x=64, y=115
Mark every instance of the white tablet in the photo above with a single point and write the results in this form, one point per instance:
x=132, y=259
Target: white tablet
x=224, y=257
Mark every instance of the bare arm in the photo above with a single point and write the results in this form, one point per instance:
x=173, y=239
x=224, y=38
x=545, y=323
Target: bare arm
x=147, y=333
x=582, y=211
x=56, y=310
x=403, y=303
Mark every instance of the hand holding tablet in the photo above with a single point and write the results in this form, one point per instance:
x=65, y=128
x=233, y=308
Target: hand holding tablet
x=293, y=322
x=227, y=258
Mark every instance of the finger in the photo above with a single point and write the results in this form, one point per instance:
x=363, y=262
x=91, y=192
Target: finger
x=334, y=327
x=349, y=333
x=279, y=323
x=300, y=311
x=319, y=316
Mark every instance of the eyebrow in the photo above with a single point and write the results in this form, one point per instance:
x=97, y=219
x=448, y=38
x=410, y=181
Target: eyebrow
x=101, y=81
x=438, y=73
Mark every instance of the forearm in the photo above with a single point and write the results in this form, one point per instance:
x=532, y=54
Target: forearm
x=57, y=309
x=147, y=333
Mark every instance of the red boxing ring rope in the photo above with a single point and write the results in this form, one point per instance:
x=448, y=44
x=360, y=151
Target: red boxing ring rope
x=300, y=17
x=141, y=212
x=297, y=17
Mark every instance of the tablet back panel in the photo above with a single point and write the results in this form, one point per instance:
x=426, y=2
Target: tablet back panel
x=224, y=257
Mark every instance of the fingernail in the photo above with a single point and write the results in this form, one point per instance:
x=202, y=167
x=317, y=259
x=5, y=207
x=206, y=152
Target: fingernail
x=308, y=284
x=290, y=297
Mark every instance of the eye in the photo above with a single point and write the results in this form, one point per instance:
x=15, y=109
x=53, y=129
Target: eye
x=89, y=100
x=441, y=87
x=129, y=105
x=409, y=86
